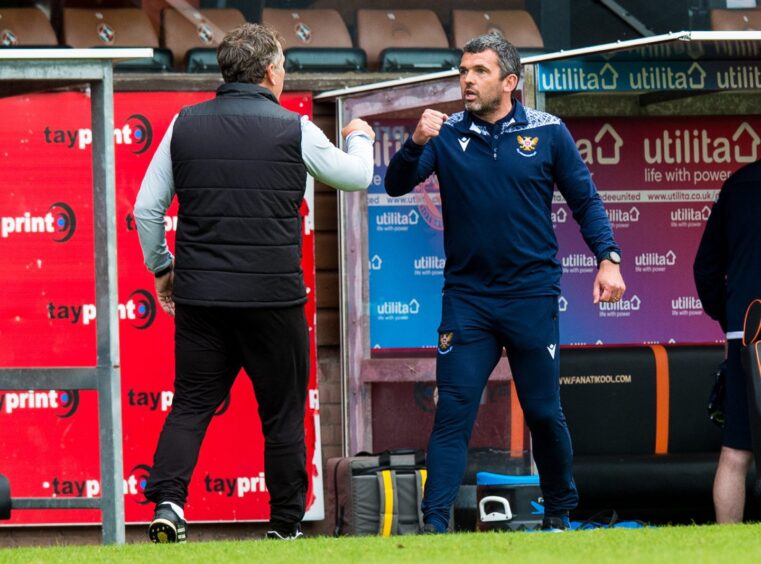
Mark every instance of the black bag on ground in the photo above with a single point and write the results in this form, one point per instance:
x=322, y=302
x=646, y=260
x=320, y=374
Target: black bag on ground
x=376, y=494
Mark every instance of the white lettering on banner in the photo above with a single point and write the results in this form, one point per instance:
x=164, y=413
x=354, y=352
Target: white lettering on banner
x=560, y=216
x=593, y=153
x=617, y=215
x=739, y=78
x=686, y=306
x=27, y=224
x=596, y=379
x=578, y=263
x=400, y=308
x=251, y=485
x=408, y=200
x=11, y=401
x=622, y=308
x=654, y=262
x=88, y=488
x=88, y=312
x=667, y=78
x=430, y=265
x=75, y=488
x=690, y=217
x=697, y=146
x=396, y=221
x=376, y=263
x=650, y=196
x=577, y=78
x=82, y=137
x=239, y=486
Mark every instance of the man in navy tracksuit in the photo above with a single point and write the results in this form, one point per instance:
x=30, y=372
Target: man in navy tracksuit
x=497, y=164
x=727, y=273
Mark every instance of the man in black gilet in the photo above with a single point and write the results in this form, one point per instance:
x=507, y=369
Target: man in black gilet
x=238, y=165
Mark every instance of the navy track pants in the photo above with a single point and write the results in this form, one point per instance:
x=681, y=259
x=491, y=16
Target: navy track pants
x=473, y=332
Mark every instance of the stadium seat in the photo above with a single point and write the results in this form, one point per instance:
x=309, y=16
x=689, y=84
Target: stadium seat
x=735, y=20
x=517, y=26
x=25, y=27
x=404, y=40
x=315, y=40
x=119, y=27
x=199, y=31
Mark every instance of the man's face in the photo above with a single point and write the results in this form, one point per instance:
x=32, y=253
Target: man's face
x=483, y=90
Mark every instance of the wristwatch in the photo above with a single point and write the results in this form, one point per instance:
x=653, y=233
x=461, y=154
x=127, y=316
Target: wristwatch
x=612, y=256
x=164, y=271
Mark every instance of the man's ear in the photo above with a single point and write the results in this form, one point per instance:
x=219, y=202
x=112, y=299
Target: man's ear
x=510, y=83
x=270, y=73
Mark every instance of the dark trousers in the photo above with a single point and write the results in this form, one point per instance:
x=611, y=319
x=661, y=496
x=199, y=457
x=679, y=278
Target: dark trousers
x=212, y=344
x=473, y=332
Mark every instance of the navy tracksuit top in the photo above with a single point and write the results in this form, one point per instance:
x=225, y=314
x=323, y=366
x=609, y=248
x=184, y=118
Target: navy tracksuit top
x=496, y=183
x=727, y=266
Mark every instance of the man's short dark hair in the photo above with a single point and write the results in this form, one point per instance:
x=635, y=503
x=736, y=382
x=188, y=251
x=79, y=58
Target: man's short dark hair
x=507, y=55
x=246, y=51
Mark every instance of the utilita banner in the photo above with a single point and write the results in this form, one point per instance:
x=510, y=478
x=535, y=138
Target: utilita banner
x=49, y=438
x=658, y=178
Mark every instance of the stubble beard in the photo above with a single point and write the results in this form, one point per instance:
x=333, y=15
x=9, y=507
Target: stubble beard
x=481, y=107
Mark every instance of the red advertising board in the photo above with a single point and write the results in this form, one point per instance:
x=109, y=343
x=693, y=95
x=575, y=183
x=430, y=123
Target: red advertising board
x=49, y=438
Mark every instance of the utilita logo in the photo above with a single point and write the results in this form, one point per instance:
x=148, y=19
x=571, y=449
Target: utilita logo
x=139, y=310
x=399, y=308
x=397, y=219
x=687, y=303
x=617, y=215
x=691, y=214
x=632, y=304
x=64, y=402
x=560, y=216
x=60, y=221
x=137, y=132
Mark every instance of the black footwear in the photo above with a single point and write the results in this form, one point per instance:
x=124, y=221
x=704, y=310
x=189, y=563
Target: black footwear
x=167, y=527
x=285, y=533
x=556, y=523
x=431, y=529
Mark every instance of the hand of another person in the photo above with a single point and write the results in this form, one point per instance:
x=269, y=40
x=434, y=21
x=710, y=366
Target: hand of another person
x=429, y=126
x=609, y=284
x=358, y=125
x=164, y=287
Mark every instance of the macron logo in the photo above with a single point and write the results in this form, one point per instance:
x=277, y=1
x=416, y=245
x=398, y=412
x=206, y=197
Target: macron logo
x=464, y=143
x=551, y=350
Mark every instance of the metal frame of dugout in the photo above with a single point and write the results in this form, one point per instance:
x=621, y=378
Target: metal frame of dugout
x=27, y=70
x=407, y=97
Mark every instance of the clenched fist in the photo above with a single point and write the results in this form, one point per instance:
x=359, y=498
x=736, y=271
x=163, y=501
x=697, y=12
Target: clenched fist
x=358, y=125
x=429, y=126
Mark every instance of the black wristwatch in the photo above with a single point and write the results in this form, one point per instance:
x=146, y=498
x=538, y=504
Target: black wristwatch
x=164, y=271
x=612, y=256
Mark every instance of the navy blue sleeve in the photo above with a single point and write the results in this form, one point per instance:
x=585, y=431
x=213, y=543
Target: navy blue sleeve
x=710, y=267
x=575, y=184
x=411, y=165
